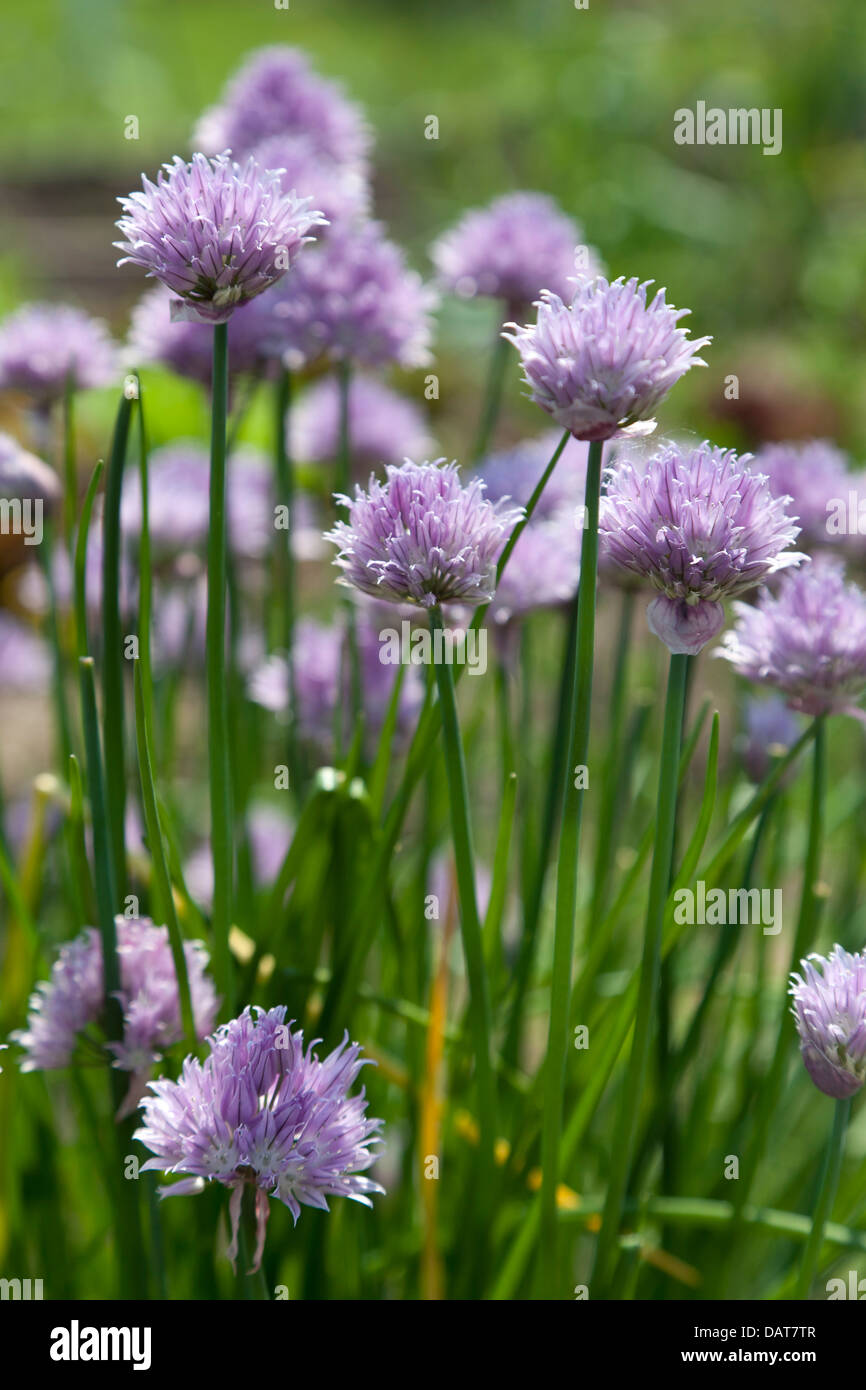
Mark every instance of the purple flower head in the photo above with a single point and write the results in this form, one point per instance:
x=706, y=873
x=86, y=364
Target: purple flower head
x=808, y=640
x=601, y=365
x=521, y=244
x=701, y=527
x=42, y=346
x=342, y=191
x=277, y=93
x=178, y=479
x=215, y=232
x=422, y=537
x=25, y=658
x=320, y=676
x=813, y=475
x=830, y=1012
x=351, y=299
x=72, y=1000
x=263, y=1110
x=770, y=730
x=186, y=345
x=515, y=473
x=384, y=427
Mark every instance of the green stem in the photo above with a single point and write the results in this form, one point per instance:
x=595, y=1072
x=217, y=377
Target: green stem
x=217, y=683
x=284, y=551
x=499, y=355
x=479, y=998
x=70, y=479
x=158, y=858
x=566, y=876
x=112, y=643
x=649, y=976
x=828, y=1183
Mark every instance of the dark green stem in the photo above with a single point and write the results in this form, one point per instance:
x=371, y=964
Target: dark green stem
x=827, y=1185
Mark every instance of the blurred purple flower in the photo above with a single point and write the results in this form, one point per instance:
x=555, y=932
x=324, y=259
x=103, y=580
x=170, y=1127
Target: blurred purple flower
x=513, y=249
x=340, y=190
x=25, y=657
x=812, y=474
x=515, y=472
x=270, y=834
x=43, y=345
x=422, y=537
x=67, y=1004
x=770, y=730
x=384, y=427
x=353, y=298
x=543, y=568
x=186, y=346
x=178, y=479
x=215, y=232
x=830, y=1012
x=277, y=93
x=808, y=640
x=263, y=1111
x=601, y=365
x=320, y=665
x=701, y=527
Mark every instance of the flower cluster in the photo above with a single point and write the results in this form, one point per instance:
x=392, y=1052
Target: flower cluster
x=807, y=641
x=263, y=1111
x=422, y=537
x=46, y=347
x=215, y=232
x=813, y=474
x=830, y=1011
x=384, y=427
x=512, y=250
x=62, y=1008
x=277, y=93
x=701, y=527
x=601, y=365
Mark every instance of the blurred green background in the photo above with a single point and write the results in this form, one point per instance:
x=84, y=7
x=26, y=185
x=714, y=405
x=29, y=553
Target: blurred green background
x=769, y=252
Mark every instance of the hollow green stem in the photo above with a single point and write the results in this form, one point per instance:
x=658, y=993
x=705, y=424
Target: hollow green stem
x=112, y=642
x=573, y=781
x=479, y=998
x=649, y=977
x=827, y=1185
x=219, y=766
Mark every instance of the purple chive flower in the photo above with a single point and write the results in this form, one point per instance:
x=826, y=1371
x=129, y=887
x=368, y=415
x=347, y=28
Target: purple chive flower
x=422, y=537
x=30, y=490
x=701, y=527
x=277, y=93
x=340, y=190
x=42, y=346
x=178, y=480
x=186, y=346
x=814, y=475
x=830, y=1012
x=521, y=244
x=25, y=659
x=515, y=473
x=351, y=299
x=601, y=365
x=263, y=1111
x=770, y=730
x=215, y=232
x=384, y=427
x=808, y=640
x=321, y=668
x=62, y=1008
